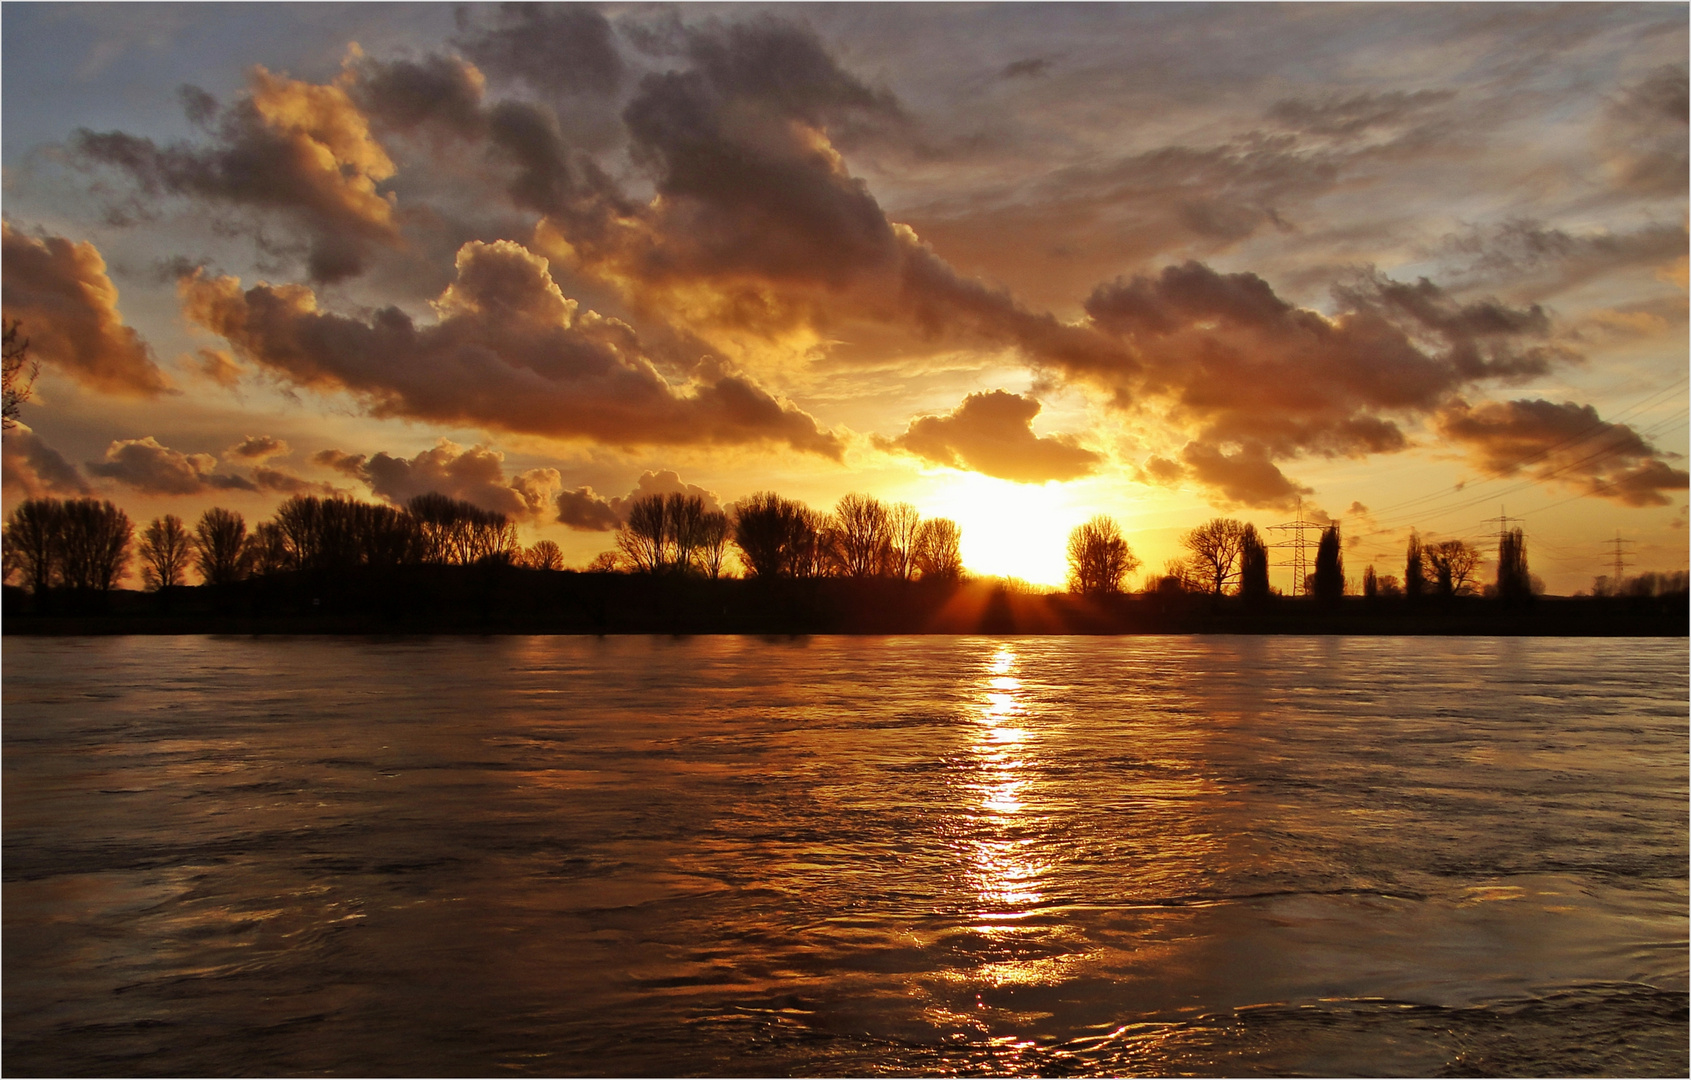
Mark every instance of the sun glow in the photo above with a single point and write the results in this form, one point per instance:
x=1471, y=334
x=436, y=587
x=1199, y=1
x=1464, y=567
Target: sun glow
x=1009, y=529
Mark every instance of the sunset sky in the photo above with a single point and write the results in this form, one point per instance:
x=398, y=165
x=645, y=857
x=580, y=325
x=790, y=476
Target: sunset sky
x=1416, y=265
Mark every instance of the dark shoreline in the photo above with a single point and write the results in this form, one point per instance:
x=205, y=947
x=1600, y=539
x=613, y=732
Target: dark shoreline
x=506, y=600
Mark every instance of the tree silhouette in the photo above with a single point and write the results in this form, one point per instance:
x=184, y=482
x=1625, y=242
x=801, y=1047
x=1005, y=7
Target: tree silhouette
x=34, y=542
x=777, y=537
x=220, y=541
x=939, y=553
x=1414, y=567
x=862, y=535
x=1453, y=563
x=1329, y=566
x=1370, y=583
x=18, y=385
x=95, y=545
x=1215, y=547
x=904, y=542
x=545, y=555
x=1099, y=558
x=1253, y=565
x=1514, y=583
x=268, y=551
x=714, y=534
x=643, y=535
x=165, y=550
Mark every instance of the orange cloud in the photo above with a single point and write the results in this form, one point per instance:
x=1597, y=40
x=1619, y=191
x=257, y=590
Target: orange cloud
x=475, y=475
x=992, y=433
x=294, y=147
x=68, y=306
x=509, y=351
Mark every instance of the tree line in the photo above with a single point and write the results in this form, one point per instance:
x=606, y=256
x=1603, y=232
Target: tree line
x=1229, y=557
x=89, y=544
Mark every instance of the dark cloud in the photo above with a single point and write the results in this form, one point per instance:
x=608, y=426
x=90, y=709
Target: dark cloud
x=298, y=148
x=35, y=470
x=68, y=306
x=587, y=511
x=1523, y=248
x=404, y=95
x=257, y=448
x=1259, y=380
x=1563, y=443
x=992, y=433
x=153, y=469
x=554, y=48
x=584, y=510
x=508, y=352
x=1245, y=477
x=1645, y=129
x=1031, y=68
x=475, y=475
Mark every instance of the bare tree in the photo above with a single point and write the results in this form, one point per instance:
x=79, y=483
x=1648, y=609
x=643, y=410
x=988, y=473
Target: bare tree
x=96, y=541
x=268, y=551
x=777, y=537
x=904, y=532
x=34, y=542
x=1215, y=547
x=1098, y=557
x=165, y=550
x=684, y=522
x=19, y=374
x=643, y=537
x=939, y=553
x=220, y=546
x=545, y=555
x=1453, y=563
x=862, y=535
x=714, y=534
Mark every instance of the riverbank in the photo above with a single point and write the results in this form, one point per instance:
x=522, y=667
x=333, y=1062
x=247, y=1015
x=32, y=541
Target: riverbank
x=507, y=600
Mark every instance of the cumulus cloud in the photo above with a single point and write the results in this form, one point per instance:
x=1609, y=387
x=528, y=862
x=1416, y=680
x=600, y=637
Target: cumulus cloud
x=475, y=475
x=585, y=510
x=68, y=306
x=149, y=467
x=298, y=148
x=1244, y=477
x=1258, y=380
x=1564, y=443
x=992, y=433
x=34, y=469
x=508, y=351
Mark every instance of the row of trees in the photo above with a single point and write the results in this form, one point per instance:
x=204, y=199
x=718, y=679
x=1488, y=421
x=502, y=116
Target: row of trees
x=776, y=537
x=1229, y=556
x=88, y=544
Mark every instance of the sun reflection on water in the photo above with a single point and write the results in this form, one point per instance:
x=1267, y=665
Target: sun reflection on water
x=1006, y=872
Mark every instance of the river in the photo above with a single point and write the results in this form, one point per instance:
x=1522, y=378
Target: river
x=826, y=856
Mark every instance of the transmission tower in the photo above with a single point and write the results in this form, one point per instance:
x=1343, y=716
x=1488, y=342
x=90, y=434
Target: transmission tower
x=1620, y=558
x=1502, y=521
x=1299, y=544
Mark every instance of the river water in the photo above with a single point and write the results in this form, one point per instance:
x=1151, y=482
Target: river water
x=859, y=856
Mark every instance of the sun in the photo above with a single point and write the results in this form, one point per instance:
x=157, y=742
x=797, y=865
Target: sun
x=1009, y=529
